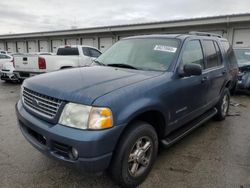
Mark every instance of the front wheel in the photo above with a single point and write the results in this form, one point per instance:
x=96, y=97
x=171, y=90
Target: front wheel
x=223, y=105
x=135, y=155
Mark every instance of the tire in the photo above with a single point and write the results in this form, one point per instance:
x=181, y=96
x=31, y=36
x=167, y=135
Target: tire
x=223, y=105
x=131, y=164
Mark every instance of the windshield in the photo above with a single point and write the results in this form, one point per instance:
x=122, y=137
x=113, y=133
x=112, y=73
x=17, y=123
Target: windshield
x=242, y=55
x=145, y=54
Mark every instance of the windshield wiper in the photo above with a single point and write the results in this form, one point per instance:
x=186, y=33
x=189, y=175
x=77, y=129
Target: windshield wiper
x=99, y=63
x=122, y=65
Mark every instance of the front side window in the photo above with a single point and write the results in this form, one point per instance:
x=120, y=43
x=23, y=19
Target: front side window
x=85, y=51
x=193, y=53
x=211, y=54
x=155, y=54
x=94, y=53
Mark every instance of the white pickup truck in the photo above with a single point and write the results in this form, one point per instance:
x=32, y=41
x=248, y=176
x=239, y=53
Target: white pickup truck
x=66, y=57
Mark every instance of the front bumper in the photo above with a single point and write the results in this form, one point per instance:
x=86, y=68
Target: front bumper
x=95, y=148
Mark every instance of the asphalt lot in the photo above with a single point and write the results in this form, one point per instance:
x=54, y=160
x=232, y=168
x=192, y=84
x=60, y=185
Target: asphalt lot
x=215, y=155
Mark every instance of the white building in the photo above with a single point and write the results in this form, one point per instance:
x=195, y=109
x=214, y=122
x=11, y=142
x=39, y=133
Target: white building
x=234, y=27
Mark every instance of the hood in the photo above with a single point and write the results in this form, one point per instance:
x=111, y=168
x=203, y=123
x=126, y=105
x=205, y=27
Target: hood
x=244, y=67
x=244, y=64
x=84, y=85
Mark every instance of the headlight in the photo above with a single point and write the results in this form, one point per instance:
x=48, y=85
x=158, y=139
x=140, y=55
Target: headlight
x=86, y=117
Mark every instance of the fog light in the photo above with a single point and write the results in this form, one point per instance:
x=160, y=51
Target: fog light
x=74, y=153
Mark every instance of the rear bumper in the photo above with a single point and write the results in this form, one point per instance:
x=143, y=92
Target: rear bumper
x=95, y=148
x=7, y=75
x=26, y=74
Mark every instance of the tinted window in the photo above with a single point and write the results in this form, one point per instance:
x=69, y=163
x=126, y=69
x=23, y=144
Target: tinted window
x=193, y=53
x=94, y=53
x=218, y=53
x=230, y=54
x=67, y=51
x=85, y=51
x=212, y=57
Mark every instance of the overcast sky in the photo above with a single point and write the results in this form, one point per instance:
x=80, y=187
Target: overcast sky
x=19, y=16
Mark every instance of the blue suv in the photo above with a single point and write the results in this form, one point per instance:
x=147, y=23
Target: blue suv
x=142, y=93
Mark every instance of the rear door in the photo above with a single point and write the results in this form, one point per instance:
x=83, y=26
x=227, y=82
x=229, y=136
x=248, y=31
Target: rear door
x=215, y=69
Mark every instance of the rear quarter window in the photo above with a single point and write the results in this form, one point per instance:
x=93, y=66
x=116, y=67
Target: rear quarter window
x=230, y=54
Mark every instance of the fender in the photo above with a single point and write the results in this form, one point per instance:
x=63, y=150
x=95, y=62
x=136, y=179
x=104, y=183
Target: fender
x=134, y=109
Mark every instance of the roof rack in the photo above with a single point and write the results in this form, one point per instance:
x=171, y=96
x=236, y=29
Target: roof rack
x=204, y=34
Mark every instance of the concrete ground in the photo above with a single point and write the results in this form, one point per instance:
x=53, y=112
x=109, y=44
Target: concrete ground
x=215, y=155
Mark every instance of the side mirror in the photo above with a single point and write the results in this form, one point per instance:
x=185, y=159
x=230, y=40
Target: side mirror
x=191, y=69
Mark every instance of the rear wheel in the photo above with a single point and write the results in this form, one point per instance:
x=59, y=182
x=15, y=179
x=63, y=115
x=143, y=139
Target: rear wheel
x=223, y=105
x=135, y=155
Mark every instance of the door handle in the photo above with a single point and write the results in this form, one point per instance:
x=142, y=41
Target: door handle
x=204, y=79
x=224, y=72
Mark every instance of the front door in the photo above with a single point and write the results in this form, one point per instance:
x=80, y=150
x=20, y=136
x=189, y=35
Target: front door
x=189, y=98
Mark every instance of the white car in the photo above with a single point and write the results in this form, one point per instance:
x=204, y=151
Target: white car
x=4, y=58
x=66, y=57
x=7, y=72
x=6, y=67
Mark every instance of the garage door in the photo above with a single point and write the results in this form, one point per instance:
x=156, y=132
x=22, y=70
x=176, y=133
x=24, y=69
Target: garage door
x=105, y=43
x=43, y=46
x=21, y=47
x=11, y=46
x=56, y=44
x=2, y=46
x=241, y=38
x=88, y=42
x=32, y=46
x=72, y=41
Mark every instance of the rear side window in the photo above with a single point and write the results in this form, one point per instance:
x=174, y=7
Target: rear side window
x=218, y=53
x=68, y=51
x=230, y=54
x=94, y=53
x=193, y=53
x=213, y=59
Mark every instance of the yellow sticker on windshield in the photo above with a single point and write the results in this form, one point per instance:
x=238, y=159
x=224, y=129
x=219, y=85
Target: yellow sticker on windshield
x=165, y=48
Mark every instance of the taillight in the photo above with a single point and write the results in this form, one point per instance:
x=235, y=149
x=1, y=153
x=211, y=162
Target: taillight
x=41, y=63
x=13, y=62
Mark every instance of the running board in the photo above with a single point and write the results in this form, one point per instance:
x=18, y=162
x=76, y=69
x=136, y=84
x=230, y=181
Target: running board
x=183, y=131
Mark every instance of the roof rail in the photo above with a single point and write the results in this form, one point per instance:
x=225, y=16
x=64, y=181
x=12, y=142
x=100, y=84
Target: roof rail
x=204, y=34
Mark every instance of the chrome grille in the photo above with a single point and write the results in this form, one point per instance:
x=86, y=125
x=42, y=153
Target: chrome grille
x=41, y=104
